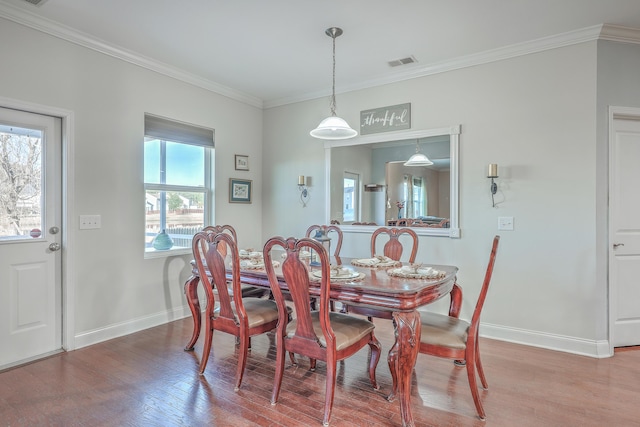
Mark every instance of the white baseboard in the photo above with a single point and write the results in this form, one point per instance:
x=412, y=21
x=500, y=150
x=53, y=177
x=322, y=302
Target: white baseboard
x=584, y=347
x=135, y=325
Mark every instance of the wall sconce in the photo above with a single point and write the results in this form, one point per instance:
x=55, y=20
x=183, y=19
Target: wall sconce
x=493, y=173
x=304, y=190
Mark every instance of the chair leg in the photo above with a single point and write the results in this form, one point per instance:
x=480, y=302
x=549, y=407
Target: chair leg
x=312, y=365
x=242, y=360
x=392, y=360
x=483, y=379
x=471, y=374
x=376, y=350
x=206, y=350
x=329, y=391
x=280, y=356
x=293, y=359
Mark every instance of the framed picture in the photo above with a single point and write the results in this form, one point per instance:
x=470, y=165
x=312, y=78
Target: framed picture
x=239, y=190
x=242, y=162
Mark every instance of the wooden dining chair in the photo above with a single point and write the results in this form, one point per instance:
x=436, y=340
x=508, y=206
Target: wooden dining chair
x=246, y=289
x=320, y=335
x=393, y=249
x=453, y=338
x=327, y=229
x=237, y=315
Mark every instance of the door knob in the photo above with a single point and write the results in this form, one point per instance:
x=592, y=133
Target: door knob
x=54, y=247
x=615, y=245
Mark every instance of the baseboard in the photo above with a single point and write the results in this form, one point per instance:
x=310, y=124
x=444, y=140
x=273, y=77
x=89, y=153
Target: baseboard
x=135, y=325
x=584, y=347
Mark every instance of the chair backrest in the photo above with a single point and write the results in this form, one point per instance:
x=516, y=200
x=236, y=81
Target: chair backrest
x=327, y=229
x=296, y=275
x=475, y=319
x=210, y=249
x=393, y=248
x=222, y=229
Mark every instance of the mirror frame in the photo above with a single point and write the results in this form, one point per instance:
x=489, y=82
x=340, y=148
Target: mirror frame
x=454, y=152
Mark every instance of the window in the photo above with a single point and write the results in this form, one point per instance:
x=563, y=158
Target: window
x=178, y=163
x=351, y=197
x=419, y=201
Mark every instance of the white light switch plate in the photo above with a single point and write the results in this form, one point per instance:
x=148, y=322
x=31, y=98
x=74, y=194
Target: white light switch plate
x=505, y=223
x=88, y=222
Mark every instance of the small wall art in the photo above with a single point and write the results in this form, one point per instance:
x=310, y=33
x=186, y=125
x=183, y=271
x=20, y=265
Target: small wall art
x=239, y=190
x=242, y=162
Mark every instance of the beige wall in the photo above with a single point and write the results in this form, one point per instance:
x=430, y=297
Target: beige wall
x=534, y=115
x=116, y=289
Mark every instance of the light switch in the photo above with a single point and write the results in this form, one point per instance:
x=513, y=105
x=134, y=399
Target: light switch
x=88, y=222
x=505, y=223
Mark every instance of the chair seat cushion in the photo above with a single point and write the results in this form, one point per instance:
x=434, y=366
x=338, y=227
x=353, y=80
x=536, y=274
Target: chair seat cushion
x=347, y=329
x=259, y=311
x=443, y=330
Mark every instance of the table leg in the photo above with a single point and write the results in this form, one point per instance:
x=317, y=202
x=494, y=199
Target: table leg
x=402, y=359
x=191, y=291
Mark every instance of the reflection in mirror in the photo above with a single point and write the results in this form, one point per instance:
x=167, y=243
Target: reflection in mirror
x=369, y=183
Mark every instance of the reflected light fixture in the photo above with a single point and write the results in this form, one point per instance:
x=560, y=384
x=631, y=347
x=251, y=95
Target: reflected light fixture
x=333, y=127
x=418, y=159
x=303, y=187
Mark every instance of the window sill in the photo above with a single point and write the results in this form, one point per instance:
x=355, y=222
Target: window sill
x=150, y=253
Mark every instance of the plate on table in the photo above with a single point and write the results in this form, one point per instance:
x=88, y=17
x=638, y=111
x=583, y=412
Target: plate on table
x=377, y=261
x=416, y=272
x=338, y=273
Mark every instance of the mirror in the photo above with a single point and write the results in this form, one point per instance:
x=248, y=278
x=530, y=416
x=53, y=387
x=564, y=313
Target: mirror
x=369, y=184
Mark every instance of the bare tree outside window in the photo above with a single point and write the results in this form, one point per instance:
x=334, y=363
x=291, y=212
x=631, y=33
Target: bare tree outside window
x=20, y=181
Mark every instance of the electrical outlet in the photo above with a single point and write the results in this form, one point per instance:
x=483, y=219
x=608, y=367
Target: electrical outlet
x=88, y=222
x=505, y=223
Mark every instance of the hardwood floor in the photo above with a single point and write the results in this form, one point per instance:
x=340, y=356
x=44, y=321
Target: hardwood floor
x=146, y=379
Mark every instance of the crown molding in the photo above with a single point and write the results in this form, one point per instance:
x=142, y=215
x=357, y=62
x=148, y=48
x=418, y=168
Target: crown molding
x=620, y=34
x=55, y=29
x=596, y=32
x=493, y=55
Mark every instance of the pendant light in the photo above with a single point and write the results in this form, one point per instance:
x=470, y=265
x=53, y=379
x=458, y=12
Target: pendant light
x=418, y=159
x=333, y=127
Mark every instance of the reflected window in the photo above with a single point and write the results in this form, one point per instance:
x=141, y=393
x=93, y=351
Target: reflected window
x=419, y=205
x=351, y=196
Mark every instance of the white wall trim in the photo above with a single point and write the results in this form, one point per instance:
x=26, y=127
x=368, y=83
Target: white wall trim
x=130, y=326
x=63, y=32
x=583, y=347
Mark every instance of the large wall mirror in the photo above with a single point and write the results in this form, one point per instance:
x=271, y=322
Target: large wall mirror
x=369, y=184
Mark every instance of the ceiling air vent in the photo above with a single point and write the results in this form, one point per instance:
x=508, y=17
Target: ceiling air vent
x=403, y=61
x=35, y=2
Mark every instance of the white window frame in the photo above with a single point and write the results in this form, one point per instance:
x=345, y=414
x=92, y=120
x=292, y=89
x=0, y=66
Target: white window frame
x=181, y=133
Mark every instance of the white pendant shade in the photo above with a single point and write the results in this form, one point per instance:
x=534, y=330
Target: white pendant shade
x=418, y=159
x=333, y=127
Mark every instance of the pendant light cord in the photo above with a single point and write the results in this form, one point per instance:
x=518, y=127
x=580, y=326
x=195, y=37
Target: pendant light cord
x=333, y=86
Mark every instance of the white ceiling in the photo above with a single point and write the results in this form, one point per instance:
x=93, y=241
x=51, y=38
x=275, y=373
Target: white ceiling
x=270, y=52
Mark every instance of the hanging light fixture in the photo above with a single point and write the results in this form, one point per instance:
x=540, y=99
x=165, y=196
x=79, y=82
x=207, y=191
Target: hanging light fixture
x=333, y=127
x=418, y=159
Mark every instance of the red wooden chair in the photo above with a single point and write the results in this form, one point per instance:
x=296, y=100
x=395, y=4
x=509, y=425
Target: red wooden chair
x=450, y=337
x=239, y=316
x=392, y=249
x=322, y=334
x=327, y=229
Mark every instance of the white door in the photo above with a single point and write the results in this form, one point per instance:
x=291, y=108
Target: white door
x=30, y=238
x=624, y=227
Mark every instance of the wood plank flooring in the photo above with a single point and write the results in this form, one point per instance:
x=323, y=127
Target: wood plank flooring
x=146, y=379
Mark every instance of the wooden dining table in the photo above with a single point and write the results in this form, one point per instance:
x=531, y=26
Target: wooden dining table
x=401, y=296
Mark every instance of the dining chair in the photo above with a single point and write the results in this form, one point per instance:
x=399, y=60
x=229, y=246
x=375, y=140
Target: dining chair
x=393, y=249
x=246, y=290
x=453, y=338
x=327, y=229
x=318, y=334
x=235, y=314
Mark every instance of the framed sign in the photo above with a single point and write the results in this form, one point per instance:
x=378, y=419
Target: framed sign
x=239, y=190
x=385, y=119
x=242, y=162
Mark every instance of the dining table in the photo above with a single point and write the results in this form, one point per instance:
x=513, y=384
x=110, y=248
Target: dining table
x=375, y=287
